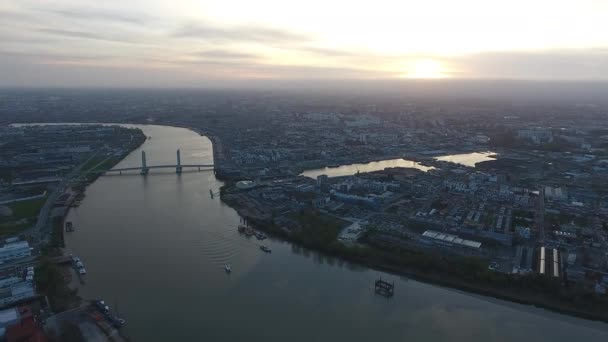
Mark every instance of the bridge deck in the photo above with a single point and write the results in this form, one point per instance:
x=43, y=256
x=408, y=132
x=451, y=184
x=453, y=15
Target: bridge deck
x=160, y=167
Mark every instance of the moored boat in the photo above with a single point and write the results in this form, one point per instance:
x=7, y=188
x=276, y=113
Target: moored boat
x=260, y=236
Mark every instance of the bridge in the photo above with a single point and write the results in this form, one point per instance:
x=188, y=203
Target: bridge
x=144, y=169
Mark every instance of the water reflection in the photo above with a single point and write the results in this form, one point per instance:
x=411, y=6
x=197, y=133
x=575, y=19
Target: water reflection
x=351, y=169
x=468, y=159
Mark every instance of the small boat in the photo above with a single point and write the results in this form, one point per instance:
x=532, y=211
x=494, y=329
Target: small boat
x=260, y=236
x=241, y=229
x=265, y=249
x=82, y=271
x=249, y=231
x=227, y=268
x=118, y=322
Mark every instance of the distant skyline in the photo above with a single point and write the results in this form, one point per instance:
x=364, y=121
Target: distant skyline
x=187, y=43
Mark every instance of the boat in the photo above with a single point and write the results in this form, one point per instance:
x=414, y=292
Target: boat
x=227, y=268
x=241, y=229
x=69, y=227
x=82, y=271
x=249, y=231
x=260, y=236
x=118, y=322
x=265, y=249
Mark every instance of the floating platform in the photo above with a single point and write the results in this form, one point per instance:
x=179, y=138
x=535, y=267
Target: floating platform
x=384, y=288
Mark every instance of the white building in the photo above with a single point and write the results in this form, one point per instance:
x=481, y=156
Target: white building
x=16, y=293
x=15, y=250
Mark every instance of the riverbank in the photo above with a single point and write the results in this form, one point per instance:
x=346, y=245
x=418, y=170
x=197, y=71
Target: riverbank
x=61, y=296
x=462, y=273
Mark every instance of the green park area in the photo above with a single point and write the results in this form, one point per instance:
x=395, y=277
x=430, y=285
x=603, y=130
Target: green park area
x=317, y=229
x=19, y=215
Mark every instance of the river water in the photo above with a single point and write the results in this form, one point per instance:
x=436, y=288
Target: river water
x=351, y=169
x=468, y=159
x=154, y=248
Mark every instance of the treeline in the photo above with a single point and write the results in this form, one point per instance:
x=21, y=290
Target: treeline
x=320, y=232
x=50, y=281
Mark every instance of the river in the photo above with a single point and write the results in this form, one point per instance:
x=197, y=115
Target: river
x=468, y=159
x=154, y=248
x=351, y=169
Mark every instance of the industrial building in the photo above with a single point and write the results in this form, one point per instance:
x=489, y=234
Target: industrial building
x=15, y=250
x=549, y=262
x=522, y=263
x=16, y=293
x=449, y=240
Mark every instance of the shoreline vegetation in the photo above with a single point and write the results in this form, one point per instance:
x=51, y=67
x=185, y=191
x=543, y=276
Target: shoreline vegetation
x=469, y=274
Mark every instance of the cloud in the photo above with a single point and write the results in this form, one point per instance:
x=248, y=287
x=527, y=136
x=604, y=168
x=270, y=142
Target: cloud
x=329, y=52
x=563, y=64
x=225, y=54
x=250, y=34
x=99, y=14
x=82, y=34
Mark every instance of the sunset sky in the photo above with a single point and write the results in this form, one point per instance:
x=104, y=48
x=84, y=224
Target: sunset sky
x=189, y=43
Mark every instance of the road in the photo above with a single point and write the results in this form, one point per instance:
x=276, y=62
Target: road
x=42, y=223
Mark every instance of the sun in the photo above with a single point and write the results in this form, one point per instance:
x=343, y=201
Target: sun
x=426, y=68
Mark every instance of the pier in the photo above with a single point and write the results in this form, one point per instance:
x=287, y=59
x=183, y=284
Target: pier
x=384, y=288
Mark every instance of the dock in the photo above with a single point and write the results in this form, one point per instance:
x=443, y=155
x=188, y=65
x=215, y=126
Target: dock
x=384, y=288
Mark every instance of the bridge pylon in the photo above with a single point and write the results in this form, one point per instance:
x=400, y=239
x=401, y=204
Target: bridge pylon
x=144, y=166
x=178, y=166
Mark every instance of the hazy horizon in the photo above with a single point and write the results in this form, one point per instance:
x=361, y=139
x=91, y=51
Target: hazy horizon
x=511, y=92
x=192, y=44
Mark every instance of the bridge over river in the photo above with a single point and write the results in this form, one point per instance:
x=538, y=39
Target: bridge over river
x=145, y=168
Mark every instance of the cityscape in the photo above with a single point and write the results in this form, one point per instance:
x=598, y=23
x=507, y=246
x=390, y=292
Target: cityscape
x=230, y=171
x=514, y=210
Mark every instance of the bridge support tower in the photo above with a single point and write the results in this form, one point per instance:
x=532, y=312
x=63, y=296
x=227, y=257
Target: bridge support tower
x=144, y=166
x=178, y=167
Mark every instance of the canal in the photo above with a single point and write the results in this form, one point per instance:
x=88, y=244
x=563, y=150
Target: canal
x=154, y=248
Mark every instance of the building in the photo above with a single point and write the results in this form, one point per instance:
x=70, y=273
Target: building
x=556, y=193
x=8, y=317
x=26, y=328
x=522, y=262
x=448, y=240
x=16, y=293
x=15, y=250
x=549, y=262
x=322, y=180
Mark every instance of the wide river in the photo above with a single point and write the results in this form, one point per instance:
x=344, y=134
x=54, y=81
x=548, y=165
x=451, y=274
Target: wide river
x=155, y=247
